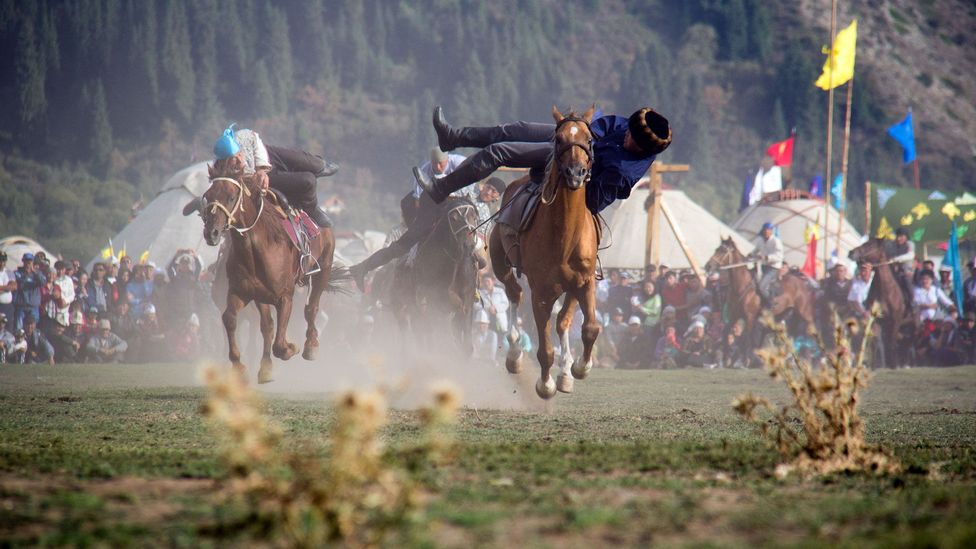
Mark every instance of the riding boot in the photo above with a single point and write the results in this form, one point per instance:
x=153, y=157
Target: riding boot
x=440, y=188
x=318, y=215
x=328, y=168
x=375, y=261
x=483, y=163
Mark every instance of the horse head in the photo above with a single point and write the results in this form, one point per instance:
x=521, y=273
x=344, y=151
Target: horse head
x=726, y=254
x=872, y=252
x=462, y=218
x=223, y=202
x=572, y=155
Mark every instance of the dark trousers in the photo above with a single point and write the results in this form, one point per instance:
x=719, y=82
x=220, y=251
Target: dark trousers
x=293, y=173
x=517, y=145
x=417, y=231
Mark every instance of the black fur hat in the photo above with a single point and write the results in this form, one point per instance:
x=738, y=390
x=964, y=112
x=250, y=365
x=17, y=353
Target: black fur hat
x=650, y=130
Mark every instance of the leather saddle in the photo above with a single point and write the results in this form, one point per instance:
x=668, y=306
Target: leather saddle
x=516, y=217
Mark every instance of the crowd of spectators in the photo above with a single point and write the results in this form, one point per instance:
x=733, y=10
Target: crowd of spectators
x=60, y=313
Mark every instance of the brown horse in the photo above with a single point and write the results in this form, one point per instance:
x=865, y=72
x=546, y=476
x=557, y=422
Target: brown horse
x=558, y=256
x=897, y=319
x=262, y=263
x=743, y=298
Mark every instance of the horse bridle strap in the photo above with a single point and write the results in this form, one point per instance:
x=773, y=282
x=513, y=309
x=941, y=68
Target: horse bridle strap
x=238, y=206
x=588, y=148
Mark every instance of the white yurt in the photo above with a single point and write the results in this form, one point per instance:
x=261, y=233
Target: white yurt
x=16, y=246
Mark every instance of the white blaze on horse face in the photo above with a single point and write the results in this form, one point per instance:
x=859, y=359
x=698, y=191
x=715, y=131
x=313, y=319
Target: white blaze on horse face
x=573, y=131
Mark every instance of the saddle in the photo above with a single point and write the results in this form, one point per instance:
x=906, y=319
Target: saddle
x=301, y=230
x=516, y=217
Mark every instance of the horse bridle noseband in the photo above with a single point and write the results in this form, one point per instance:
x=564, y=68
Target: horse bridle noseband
x=243, y=191
x=588, y=148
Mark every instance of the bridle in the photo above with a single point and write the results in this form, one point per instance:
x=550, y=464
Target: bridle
x=462, y=225
x=560, y=149
x=242, y=191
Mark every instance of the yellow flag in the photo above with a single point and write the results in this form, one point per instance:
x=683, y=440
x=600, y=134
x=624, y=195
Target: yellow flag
x=144, y=257
x=106, y=253
x=841, y=57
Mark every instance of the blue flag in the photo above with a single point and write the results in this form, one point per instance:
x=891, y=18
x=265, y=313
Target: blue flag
x=904, y=134
x=837, y=190
x=816, y=186
x=953, y=261
x=746, y=190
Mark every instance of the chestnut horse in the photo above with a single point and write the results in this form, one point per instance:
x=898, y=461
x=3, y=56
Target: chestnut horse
x=897, y=319
x=262, y=264
x=743, y=297
x=558, y=253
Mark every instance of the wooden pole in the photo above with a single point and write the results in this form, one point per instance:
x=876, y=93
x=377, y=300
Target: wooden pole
x=867, y=208
x=682, y=243
x=652, y=253
x=843, y=166
x=915, y=164
x=830, y=130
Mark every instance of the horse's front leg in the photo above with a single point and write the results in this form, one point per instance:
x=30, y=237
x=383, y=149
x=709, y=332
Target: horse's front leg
x=545, y=387
x=267, y=327
x=591, y=330
x=564, y=381
x=234, y=304
x=282, y=348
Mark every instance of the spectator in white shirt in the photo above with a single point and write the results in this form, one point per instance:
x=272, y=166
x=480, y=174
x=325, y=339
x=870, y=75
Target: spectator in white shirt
x=7, y=286
x=64, y=280
x=858, y=294
x=485, y=339
x=495, y=303
x=928, y=297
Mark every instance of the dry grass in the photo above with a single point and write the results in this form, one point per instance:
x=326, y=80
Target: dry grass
x=825, y=397
x=352, y=496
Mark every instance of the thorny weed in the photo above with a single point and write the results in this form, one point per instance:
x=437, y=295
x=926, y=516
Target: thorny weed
x=825, y=396
x=353, y=496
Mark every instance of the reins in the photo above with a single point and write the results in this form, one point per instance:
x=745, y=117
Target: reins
x=238, y=206
x=550, y=187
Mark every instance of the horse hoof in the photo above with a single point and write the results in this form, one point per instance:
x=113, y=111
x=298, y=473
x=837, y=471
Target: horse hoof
x=264, y=375
x=287, y=352
x=514, y=365
x=580, y=370
x=564, y=383
x=309, y=352
x=545, y=389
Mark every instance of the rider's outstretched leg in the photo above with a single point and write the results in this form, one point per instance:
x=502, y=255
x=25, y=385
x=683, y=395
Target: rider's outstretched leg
x=449, y=138
x=483, y=163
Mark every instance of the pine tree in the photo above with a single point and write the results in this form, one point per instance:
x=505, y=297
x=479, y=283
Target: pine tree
x=178, y=61
x=30, y=77
x=264, y=97
x=208, y=109
x=100, y=136
x=278, y=58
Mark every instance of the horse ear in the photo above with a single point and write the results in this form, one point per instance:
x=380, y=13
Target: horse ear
x=556, y=115
x=210, y=171
x=588, y=115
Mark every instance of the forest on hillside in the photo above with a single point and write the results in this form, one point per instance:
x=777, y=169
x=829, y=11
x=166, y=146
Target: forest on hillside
x=101, y=100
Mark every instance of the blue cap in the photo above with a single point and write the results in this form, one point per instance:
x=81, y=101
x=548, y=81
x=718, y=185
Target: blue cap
x=767, y=225
x=27, y=257
x=226, y=146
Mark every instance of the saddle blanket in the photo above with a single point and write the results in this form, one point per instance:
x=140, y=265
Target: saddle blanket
x=305, y=224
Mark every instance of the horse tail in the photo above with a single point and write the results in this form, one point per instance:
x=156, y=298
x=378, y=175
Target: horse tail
x=340, y=280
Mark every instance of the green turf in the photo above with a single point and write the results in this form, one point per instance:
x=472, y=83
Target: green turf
x=98, y=455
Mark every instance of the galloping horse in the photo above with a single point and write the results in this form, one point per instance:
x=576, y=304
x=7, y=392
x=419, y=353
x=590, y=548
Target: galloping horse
x=558, y=253
x=441, y=276
x=262, y=264
x=897, y=320
x=743, y=297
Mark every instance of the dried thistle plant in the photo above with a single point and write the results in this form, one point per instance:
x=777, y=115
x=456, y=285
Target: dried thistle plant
x=353, y=496
x=825, y=396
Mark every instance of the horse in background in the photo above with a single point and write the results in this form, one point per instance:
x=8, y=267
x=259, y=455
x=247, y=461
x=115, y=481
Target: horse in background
x=558, y=256
x=439, y=277
x=262, y=263
x=897, y=318
x=743, y=296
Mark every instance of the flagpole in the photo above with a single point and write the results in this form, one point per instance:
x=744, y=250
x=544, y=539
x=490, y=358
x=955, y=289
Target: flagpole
x=915, y=164
x=830, y=128
x=867, y=208
x=843, y=164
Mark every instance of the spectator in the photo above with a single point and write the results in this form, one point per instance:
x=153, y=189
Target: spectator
x=62, y=278
x=712, y=284
x=715, y=329
x=968, y=288
x=858, y=294
x=78, y=331
x=633, y=351
x=928, y=297
x=485, y=339
x=967, y=338
x=696, y=296
x=672, y=292
x=7, y=287
x=6, y=339
x=945, y=279
x=139, y=290
x=668, y=348
x=186, y=341
x=81, y=292
x=55, y=308
x=650, y=273
x=120, y=288
x=27, y=298
x=615, y=332
x=150, y=337
x=39, y=349
x=124, y=322
x=834, y=291
x=66, y=349
x=620, y=293
x=98, y=290
x=495, y=303
x=694, y=348
x=18, y=352
x=184, y=292
x=650, y=305
x=106, y=346
x=732, y=353
x=524, y=339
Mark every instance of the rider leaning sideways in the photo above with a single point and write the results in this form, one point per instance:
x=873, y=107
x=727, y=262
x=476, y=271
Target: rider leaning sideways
x=623, y=150
x=293, y=172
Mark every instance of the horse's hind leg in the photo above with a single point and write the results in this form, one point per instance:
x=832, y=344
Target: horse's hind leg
x=282, y=348
x=319, y=283
x=513, y=290
x=267, y=329
x=591, y=330
x=564, y=381
x=229, y=318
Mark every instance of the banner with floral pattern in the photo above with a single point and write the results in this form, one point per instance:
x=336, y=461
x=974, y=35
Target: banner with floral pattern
x=926, y=214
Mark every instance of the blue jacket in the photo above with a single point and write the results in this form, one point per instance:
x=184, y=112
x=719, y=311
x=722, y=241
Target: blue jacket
x=28, y=288
x=615, y=170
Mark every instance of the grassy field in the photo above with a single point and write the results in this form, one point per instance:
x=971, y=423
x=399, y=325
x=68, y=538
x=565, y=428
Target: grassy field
x=106, y=455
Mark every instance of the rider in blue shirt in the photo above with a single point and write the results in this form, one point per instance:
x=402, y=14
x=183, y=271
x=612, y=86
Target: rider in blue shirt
x=623, y=150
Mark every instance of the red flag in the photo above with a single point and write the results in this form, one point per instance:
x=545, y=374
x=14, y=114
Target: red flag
x=810, y=265
x=782, y=152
